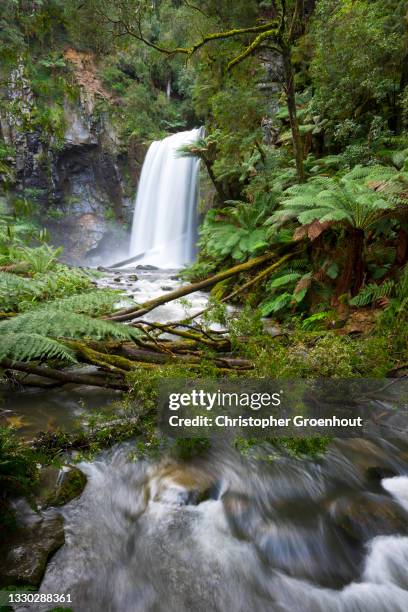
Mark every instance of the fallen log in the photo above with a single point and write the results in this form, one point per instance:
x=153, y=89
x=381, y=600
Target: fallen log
x=225, y=362
x=132, y=358
x=111, y=432
x=252, y=281
x=132, y=313
x=200, y=338
x=65, y=376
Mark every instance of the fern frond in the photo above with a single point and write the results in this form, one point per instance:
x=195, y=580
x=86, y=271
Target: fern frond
x=61, y=324
x=29, y=347
x=96, y=302
x=275, y=304
x=284, y=279
x=13, y=281
x=372, y=292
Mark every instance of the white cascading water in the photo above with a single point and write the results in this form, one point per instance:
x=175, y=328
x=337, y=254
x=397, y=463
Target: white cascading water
x=165, y=217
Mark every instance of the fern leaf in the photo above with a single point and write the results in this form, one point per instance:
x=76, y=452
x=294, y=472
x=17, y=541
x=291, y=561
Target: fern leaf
x=276, y=304
x=60, y=324
x=29, y=347
x=286, y=279
x=372, y=292
x=95, y=302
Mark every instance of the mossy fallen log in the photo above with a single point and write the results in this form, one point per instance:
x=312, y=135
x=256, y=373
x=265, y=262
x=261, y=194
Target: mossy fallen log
x=64, y=376
x=132, y=313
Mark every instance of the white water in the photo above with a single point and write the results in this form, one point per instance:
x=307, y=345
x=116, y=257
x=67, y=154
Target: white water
x=165, y=218
x=140, y=539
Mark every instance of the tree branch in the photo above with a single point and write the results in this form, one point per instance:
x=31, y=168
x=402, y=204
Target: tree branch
x=138, y=34
x=253, y=47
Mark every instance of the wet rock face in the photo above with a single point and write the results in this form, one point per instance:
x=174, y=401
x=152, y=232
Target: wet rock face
x=87, y=187
x=75, y=179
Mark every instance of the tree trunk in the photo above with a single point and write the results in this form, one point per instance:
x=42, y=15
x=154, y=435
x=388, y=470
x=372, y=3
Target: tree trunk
x=217, y=186
x=294, y=124
x=352, y=276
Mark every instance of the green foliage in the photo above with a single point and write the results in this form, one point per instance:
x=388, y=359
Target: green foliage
x=393, y=291
x=19, y=293
x=53, y=322
x=96, y=302
x=40, y=259
x=332, y=200
x=372, y=292
x=198, y=271
x=234, y=232
x=23, y=346
x=352, y=80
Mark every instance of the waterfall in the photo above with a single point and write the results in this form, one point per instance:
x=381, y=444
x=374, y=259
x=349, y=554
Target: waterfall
x=165, y=220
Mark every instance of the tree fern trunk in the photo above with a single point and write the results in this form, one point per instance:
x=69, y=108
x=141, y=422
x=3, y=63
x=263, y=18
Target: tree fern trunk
x=352, y=276
x=402, y=248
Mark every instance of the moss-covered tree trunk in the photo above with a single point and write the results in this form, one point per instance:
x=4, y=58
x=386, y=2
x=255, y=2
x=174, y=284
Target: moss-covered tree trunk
x=291, y=103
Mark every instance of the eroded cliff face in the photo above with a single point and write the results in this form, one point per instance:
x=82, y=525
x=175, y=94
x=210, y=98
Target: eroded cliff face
x=80, y=180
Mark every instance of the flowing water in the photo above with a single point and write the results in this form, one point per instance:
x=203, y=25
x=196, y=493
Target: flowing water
x=263, y=532
x=165, y=219
x=226, y=533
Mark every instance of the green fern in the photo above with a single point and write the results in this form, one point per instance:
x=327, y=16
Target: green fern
x=372, y=292
x=315, y=321
x=96, y=302
x=29, y=347
x=13, y=281
x=332, y=200
x=278, y=303
x=40, y=259
x=54, y=323
x=284, y=279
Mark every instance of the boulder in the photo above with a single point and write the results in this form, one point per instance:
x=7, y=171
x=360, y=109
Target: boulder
x=364, y=516
x=26, y=550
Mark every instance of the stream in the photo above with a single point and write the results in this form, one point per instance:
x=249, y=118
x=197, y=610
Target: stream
x=264, y=531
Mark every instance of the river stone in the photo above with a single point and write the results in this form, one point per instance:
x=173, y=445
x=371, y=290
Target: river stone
x=132, y=277
x=368, y=458
x=366, y=515
x=25, y=552
x=180, y=484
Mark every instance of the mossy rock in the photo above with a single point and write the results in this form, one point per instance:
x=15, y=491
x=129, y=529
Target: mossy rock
x=72, y=484
x=59, y=486
x=25, y=552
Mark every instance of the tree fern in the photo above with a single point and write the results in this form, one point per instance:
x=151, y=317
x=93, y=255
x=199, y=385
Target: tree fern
x=332, y=200
x=29, y=347
x=55, y=323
